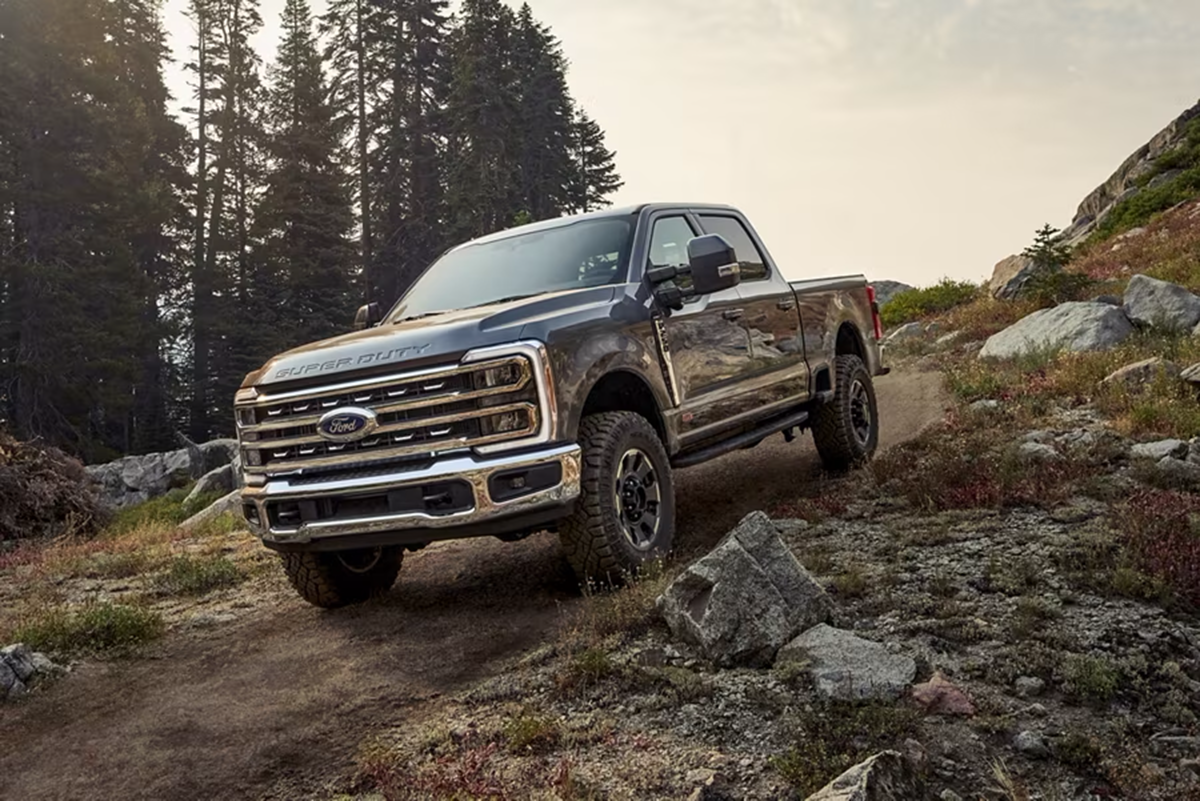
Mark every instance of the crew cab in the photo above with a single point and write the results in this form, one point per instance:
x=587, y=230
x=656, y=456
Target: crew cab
x=552, y=376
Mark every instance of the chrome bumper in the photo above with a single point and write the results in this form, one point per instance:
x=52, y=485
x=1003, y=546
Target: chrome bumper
x=470, y=469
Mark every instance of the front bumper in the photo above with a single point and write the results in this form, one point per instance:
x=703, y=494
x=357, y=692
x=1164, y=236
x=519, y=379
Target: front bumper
x=475, y=508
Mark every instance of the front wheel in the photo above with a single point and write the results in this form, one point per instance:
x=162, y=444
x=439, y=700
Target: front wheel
x=625, y=517
x=342, y=578
x=846, y=430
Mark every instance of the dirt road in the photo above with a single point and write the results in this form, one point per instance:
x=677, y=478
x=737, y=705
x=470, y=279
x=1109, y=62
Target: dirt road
x=274, y=703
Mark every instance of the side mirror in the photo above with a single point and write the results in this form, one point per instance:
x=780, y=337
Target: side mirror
x=367, y=316
x=713, y=264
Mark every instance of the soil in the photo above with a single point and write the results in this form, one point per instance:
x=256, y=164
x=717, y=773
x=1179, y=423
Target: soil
x=272, y=698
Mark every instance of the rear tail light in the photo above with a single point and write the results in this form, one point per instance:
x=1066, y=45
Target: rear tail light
x=875, y=313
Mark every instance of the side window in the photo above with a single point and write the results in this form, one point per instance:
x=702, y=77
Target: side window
x=668, y=245
x=754, y=266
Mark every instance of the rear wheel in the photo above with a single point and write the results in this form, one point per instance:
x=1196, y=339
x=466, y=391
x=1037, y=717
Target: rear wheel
x=846, y=430
x=342, y=578
x=625, y=517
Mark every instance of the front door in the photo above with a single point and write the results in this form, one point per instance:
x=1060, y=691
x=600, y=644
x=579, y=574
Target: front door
x=709, y=345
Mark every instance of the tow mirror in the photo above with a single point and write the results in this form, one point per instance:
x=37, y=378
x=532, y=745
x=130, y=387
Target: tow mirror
x=367, y=316
x=713, y=264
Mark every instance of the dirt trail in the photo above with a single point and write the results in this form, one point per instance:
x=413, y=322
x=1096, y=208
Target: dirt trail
x=274, y=704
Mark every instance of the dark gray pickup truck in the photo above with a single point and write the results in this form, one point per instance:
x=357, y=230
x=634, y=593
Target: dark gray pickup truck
x=550, y=377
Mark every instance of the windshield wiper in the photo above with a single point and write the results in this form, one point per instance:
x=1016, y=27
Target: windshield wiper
x=422, y=316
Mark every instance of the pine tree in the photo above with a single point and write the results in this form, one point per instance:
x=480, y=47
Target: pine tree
x=545, y=114
x=483, y=122
x=594, y=176
x=304, y=266
x=229, y=131
x=1047, y=249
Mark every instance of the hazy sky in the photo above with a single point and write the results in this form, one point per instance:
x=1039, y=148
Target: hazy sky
x=905, y=139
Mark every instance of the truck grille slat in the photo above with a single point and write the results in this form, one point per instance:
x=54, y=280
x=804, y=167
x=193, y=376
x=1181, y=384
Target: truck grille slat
x=416, y=413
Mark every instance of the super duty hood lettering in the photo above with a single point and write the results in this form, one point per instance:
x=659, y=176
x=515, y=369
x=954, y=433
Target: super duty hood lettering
x=363, y=360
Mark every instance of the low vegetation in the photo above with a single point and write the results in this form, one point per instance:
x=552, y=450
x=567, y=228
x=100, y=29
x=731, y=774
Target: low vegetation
x=44, y=494
x=914, y=304
x=104, y=629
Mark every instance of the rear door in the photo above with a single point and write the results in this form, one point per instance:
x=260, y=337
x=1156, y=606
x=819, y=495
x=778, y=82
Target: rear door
x=709, y=348
x=778, y=374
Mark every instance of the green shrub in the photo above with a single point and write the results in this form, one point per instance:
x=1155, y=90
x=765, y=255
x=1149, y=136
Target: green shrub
x=1139, y=209
x=105, y=628
x=913, y=304
x=170, y=510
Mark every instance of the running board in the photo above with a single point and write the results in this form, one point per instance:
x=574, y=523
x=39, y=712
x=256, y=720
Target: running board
x=749, y=439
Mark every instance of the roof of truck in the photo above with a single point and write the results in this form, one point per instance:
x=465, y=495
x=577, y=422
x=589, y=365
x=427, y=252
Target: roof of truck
x=616, y=211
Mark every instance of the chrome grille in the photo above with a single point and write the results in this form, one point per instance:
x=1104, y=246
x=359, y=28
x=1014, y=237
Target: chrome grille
x=417, y=413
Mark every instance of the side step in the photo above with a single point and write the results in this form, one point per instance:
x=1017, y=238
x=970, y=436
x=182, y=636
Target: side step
x=792, y=420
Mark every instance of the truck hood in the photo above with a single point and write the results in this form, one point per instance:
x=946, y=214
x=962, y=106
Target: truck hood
x=439, y=339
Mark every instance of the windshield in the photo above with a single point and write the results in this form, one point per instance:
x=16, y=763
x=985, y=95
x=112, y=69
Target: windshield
x=583, y=254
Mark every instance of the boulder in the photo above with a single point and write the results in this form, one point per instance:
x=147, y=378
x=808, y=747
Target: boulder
x=1031, y=744
x=1163, y=449
x=906, y=331
x=136, y=479
x=20, y=658
x=10, y=686
x=214, y=510
x=1038, y=452
x=1191, y=375
x=1142, y=373
x=744, y=600
x=1160, y=304
x=1184, y=474
x=1011, y=276
x=224, y=479
x=887, y=776
x=845, y=666
x=1073, y=326
x=21, y=668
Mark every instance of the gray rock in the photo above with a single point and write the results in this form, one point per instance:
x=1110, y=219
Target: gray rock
x=1038, y=452
x=1111, y=300
x=218, y=452
x=1185, y=474
x=887, y=776
x=1194, y=451
x=8, y=679
x=906, y=331
x=20, y=658
x=1071, y=326
x=1160, y=304
x=219, y=480
x=745, y=599
x=1031, y=744
x=988, y=405
x=1167, y=448
x=1029, y=686
x=845, y=666
x=1011, y=276
x=1191, y=375
x=886, y=290
x=1143, y=372
x=229, y=503
x=136, y=479
x=43, y=666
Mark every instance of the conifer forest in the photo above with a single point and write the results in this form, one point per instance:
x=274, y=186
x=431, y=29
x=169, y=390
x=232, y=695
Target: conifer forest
x=155, y=249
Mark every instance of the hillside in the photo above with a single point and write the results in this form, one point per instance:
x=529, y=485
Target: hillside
x=1157, y=176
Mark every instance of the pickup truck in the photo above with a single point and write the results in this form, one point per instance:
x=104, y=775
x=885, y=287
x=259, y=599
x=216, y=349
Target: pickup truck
x=550, y=377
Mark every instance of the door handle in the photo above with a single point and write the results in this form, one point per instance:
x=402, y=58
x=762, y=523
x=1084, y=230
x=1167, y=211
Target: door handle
x=733, y=314
x=786, y=305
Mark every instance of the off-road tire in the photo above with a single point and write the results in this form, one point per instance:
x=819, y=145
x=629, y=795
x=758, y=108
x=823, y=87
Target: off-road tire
x=324, y=579
x=593, y=537
x=840, y=445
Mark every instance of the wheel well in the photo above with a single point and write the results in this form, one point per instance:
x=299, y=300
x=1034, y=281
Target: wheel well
x=849, y=343
x=625, y=392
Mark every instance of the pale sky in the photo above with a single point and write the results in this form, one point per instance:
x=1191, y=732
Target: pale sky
x=903, y=139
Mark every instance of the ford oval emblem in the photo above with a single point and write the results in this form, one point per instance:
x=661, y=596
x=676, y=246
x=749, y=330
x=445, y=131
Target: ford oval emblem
x=347, y=425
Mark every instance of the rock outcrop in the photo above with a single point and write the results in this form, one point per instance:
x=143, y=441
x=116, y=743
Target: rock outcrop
x=21, y=668
x=746, y=598
x=1124, y=182
x=1011, y=276
x=1071, y=326
x=886, y=290
x=136, y=479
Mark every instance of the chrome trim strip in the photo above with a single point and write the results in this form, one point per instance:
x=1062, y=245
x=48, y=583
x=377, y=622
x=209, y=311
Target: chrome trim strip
x=468, y=468
x=365, y=457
